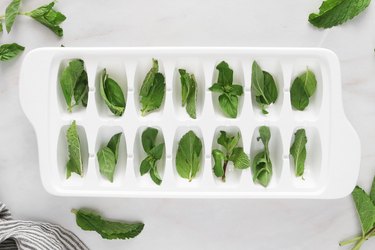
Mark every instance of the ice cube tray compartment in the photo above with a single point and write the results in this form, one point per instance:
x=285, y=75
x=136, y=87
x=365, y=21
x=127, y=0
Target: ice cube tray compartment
x=328, y=174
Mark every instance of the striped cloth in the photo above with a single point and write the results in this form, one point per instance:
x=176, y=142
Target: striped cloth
x=28, y=235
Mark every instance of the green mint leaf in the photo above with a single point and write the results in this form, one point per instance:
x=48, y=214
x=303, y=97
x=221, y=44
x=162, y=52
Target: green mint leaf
x=9, y=51
x=148, y=139
x=219, y=159
x=264, y=135
x=223, y=139
x=336, y=12
x=228, y=100
x=225, y=74
x=112, y=94
x=49, y=17
x=69, y=79
x=74, y=165
x=262, y=169
x=11, y=13
x=146, y=165
x=229, y=105
x=365, y=209
x=298, y=151
x=81, y=89
x=217, y=88
x=91, y=221
x=157, y=151
x=236, y=90
x=188, y=92
x=240, y=158
x=155, y=94
x=262, y=165
x=154, y=153
x=298, y=95
x=263, y=86
x=188, y=155
x=148, y=82
x=155, y=176
x=107, y=162
x=303, y=87
x=372, y=193
x=114, y=144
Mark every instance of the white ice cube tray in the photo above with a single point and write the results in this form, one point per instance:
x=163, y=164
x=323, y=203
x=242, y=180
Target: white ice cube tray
x=333, y=149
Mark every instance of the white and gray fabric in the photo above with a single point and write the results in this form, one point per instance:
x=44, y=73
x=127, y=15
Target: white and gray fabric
x=28, y=235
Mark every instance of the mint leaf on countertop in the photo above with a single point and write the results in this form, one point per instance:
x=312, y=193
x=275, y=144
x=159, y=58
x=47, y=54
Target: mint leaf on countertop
x=11, y=13
x=9, y=51
x=110, y=230
x=336, y=12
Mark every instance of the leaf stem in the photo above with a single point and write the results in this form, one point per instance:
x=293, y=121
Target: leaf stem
x=225, y=169
x=350, y=241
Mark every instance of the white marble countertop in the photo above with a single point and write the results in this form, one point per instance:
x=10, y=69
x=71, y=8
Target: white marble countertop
x=193, y=224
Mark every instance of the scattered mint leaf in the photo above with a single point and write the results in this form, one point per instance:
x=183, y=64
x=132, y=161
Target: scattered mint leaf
x=303, y=87
x=262, y=165
x=74, y=84
x=9, y=51
x=366, y=212
x=263, y=86
x=154, y=153
x=336, y=12
x=91, y=221
x=152, y=90
x=11, y=13
x=108, y=156
x=188, y=156
x=112, y=94
x=230, y=153
x=298, y=151
x=188, y=92
x=365, y=208
x=229, y=92
x=49, y=17
x=74, y=165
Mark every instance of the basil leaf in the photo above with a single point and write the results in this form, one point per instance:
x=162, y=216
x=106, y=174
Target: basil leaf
x=11, y=13
x=229, y=105
x=155, y=176
x=365, y=208
x=157, y=151
x=188, y=155
x=336, y=12
x=236, y=90
x=263, y=86
x=49, y=17
x=219, y=159
x=91, y=221
x=303, y=87
x=188, y=92
x=70, y=77
x=81, y=89
x=298, y=151
x=114, y=144
x=9, y=51
x=112, y=94
x=155, y=95
x=148, y=139
x=240, y=158
x=74, y=165
x=107, y=162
